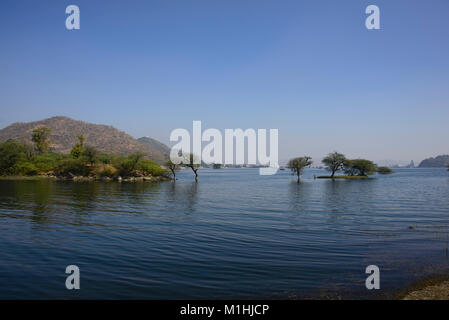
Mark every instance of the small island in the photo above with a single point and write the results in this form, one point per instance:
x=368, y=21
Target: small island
x=337, y=162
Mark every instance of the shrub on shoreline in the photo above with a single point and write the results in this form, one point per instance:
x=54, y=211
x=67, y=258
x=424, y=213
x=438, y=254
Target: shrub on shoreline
x=384, y=170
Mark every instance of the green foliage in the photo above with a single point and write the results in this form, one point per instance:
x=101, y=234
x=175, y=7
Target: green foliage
x=41, y=138
x=149, y=167
x=107, y=171
x=90, y=154
x=135, y=165
x=360, y=167
x=105, y=158
x=75, y=167
x=124, y=166
x=17, y=159
x=11, y=153
x=24, y=168
x=78, y=148
x=297, y=165
x=47, y=162
x=348, y=168
x=334, y=162
x=384, y=170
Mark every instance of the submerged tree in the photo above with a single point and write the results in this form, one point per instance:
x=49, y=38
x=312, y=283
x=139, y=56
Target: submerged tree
x=189, y=162
x=41, y=139
x=334, y=162
x=173, y=167
x=297, y=165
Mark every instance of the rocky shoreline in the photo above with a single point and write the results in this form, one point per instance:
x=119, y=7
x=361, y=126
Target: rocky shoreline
x=89, y=178
x=436, y=288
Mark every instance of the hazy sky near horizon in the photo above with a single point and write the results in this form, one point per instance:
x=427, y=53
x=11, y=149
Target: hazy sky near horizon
x=308, y=68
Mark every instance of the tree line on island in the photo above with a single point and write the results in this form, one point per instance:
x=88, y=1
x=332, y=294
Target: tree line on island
x=337, y=162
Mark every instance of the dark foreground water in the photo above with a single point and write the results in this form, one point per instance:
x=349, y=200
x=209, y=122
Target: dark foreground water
x=234, y=234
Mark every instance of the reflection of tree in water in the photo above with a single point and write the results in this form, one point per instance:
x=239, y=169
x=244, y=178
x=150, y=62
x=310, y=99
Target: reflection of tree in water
x=75, y=203
x=181, y=196
x=299, y=197
x=28, y=196
x=138, y=192
x=42, y=201
x=84, y=195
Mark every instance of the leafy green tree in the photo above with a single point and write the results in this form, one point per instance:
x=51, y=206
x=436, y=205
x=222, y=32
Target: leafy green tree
x=90, y=154
x=360, y=167
x=48, y=162
x=348, y=168
x=105, y=158
x=135, y=158
x=189, y=162
x=173, y=167
x=73, y=167
x=149, y=167
x=334, y=162
x=11, y=153
x=297, y=165
x=41, y=139
x=127, y=166
x=78, y=148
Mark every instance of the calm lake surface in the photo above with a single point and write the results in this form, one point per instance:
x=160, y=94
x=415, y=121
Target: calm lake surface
x=234, y=234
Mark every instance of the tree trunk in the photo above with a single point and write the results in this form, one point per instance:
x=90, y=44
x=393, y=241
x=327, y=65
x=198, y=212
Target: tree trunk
x=299, y=176
x=195, y=171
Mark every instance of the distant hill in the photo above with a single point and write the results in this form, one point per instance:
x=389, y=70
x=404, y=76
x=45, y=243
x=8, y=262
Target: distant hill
x=156, y=145
x=437, y=162
x=64, y=130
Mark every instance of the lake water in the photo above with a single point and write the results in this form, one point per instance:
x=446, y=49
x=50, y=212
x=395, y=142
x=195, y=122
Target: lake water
x=234, y=234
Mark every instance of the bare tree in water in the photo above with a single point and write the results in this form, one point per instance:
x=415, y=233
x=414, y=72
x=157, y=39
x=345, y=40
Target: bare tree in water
x=173, y=167
x=189, y=162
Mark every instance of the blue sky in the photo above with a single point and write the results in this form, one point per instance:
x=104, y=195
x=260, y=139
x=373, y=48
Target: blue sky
x=309, y=68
